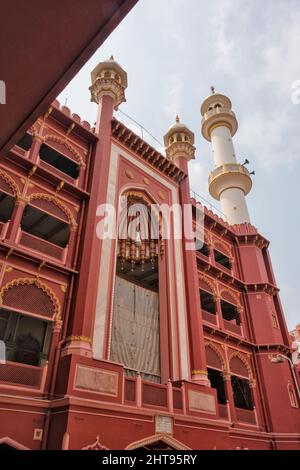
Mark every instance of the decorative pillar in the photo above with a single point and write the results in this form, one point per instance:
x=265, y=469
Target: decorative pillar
x=229, y=395
x=219, y=311
x=57, y=326
x=34, y=151
x=109, y=82
x=230, y=181
x=255, y=398
x=16, y=218
x=179, y=143
x=71, y=244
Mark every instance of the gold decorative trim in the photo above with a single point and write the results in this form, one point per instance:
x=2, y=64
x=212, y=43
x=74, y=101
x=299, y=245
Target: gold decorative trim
x=199, y=371
x=35, y=281
x=58, y=140
x=210, y=284
x=58, y=203
x=129, y=174
x=11, y=183
x=85, y=339
x=161, y=195
x=146, y=181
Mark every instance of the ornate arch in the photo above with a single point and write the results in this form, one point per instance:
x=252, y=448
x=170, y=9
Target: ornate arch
x=210, y=283
x=169, y=440
x=40, y=285
x=58, y=140
x=234, y=297
x=58, y=203
x=96, y=445
x=244, y=361
x=219, y=244
x=216, y=349
x=10, y=182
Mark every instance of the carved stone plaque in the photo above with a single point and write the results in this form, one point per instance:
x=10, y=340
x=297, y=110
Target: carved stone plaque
x=95, y=380
x=164, y=424
x=199, y=401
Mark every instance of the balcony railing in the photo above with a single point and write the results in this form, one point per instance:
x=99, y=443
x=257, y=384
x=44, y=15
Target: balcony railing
x=245, y=416
x=43, y=246
x=153, y=395
x=223, y=411
x=233, y=327
x=22, y=375
x=209, y=317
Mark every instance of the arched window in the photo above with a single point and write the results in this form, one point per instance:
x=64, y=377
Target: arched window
x=26, y=313
x=240, y=384
x=59, y=161
x=215, y=373
x=8, y=192
x=45, y=219
x=135, y=339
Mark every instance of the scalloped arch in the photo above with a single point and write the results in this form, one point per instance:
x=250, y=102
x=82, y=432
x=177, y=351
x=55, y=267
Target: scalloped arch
x=244, y=361
x=11, y=183
x=34, y=281
x=54, y=138
x=216, y=349
x=54, y=200
x=210, y=283
x=235, y=298
x=219, y=245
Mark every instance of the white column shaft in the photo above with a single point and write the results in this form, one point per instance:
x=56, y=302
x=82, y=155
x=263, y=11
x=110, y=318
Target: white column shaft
x=234, y=206
x=223, y=149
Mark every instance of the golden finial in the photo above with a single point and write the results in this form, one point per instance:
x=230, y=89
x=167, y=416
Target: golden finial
x=177, y=118
x=212, y=90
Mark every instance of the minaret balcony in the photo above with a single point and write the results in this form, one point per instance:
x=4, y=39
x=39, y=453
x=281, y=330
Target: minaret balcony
x=229, y=175
x=217, y=117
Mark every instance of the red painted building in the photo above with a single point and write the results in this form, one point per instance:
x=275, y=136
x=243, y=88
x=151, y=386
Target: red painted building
x=116, y=343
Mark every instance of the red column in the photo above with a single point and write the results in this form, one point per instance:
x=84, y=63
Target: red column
x=15, y=220
x=197, y=349
x=52, y=353
x=35, y=148
x=229, y=395
x=84, y=312
x=71, y=246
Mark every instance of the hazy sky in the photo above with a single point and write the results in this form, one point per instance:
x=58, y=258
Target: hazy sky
x=173, y=50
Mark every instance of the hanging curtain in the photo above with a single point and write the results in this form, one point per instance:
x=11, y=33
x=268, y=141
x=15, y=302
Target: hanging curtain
x=135, y=330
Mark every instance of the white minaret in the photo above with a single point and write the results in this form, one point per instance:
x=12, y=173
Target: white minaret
x=230, y=181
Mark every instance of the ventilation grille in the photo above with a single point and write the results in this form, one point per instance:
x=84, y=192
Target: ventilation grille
x=18, y=374
x=50, y=207
x=29, y=298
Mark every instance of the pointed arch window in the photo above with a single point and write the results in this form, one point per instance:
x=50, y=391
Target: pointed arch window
x=44, y=219
x=26, y=315
x=136, y=339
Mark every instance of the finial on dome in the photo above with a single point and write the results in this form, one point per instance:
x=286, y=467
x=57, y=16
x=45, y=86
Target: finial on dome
x=111, y=57
x=212, y=90
x=177, y=118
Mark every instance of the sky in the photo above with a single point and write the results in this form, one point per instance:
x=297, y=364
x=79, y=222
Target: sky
x=173, y=51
